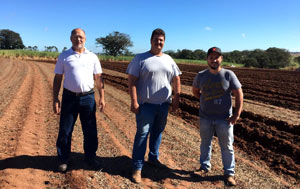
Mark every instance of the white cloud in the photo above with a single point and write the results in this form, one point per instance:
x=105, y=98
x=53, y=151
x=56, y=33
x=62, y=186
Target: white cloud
x=207, y=28
x=243, y=35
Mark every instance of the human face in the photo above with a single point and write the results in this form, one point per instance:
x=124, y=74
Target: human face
x=214, y=60
x=78, y=40
x=157, y=44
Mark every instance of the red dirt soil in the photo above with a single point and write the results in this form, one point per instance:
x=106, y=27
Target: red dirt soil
x=267, y=148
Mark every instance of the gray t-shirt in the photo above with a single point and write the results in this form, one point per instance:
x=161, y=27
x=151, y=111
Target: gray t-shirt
x=155, y=74
x=215, y=98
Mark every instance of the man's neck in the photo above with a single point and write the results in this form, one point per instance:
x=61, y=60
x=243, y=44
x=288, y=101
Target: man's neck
x=79, y=50
x=215, y=71
x=156, y=53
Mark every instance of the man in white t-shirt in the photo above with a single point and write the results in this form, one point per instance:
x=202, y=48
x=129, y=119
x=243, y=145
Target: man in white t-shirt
x=150, y=76
x=80, y=68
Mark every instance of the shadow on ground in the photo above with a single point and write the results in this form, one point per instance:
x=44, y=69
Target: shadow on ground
x=120, y=165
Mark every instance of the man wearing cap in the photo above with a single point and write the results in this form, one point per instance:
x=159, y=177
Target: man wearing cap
x=213, y=87
x=80, y=68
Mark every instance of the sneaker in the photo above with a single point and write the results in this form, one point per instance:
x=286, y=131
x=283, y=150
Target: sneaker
x=93, y=163
x=63, y=166
x=157, y=163
x=229, y=180
x=137, y=176
x=201, y=172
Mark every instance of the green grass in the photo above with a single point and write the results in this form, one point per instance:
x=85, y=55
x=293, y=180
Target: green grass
x=112, y=58
x=54, y=55
x=204, y=62
x=27, y=53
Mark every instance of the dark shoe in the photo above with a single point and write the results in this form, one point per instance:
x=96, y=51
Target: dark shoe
x=157, y=163
x=93, y=163
x=229, y=180
x=137, y=176
x=63, y=166
x=201, y=172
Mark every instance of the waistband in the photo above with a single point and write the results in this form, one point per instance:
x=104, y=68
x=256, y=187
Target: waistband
x=78, y=94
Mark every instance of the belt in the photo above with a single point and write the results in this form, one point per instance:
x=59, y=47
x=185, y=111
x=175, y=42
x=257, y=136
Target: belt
x=78, y=94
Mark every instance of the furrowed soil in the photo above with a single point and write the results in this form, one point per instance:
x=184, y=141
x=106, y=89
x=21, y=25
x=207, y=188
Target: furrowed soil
x=267, y=137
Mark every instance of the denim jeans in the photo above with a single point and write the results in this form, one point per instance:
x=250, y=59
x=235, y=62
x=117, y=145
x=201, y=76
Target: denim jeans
x=152, y=118
x=224, y=131
x=85, y=106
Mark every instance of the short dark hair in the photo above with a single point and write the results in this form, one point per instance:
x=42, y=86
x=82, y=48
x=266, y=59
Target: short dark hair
x=158, y=31
x=74, y=30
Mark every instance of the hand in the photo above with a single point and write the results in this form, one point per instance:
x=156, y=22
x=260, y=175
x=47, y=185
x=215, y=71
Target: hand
x=175, y=105
x=56, y=107
x=101, y=105
x=233, y=119
x=134, y=108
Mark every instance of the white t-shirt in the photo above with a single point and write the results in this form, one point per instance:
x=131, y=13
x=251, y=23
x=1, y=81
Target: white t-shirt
x=78, y=69
x=155, y=74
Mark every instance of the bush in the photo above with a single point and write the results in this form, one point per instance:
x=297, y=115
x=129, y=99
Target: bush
x=250, y=62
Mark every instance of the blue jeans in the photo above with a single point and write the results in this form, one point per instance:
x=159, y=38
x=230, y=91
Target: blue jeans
x=152, y=118
x=72, y=105
x=224, y=131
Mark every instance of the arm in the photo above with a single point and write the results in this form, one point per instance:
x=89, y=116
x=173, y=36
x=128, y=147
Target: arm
x=56, y=87
x=177, y=90
x=196, y=92
x=239, y=96
x=100, y=87
x=132, y=82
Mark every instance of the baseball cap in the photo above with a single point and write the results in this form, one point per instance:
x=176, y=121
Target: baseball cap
x=214, y=49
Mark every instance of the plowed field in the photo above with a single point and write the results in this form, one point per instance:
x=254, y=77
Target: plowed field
x=267, y=137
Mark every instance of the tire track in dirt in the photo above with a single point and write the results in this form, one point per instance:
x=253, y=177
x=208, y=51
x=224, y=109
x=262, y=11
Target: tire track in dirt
x=32, y=136
x=10, y=80
x=12, y=121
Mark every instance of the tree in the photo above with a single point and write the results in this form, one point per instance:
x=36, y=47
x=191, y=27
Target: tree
x=51, y=49
x=171, y=53
x=297, y=59
x=250, y=62
x=261, y=57
x=115, y=43
x=185, y=54
x=279, y=58
x=10, y=40
x=199, y=54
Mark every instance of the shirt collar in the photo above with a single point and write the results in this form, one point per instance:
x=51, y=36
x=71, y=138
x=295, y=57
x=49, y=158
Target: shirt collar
x=84, y=52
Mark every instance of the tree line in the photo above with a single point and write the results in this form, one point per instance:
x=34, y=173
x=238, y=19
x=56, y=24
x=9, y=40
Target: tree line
x=116, y=44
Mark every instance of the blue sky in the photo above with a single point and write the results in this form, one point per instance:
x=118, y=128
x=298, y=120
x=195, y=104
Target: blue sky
x=189, y=24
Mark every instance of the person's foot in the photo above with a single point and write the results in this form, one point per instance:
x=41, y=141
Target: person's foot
x=201, y=172
x=137, y=176
x=93, y=163
x=63, y=166
x=229, y=180
x=157, y=163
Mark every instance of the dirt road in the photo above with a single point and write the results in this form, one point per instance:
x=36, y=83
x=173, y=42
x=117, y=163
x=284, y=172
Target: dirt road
x=28, y=131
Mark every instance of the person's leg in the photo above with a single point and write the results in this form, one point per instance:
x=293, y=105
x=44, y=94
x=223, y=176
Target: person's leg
x=156, y=131
x=224, y=132
x=144, y=120
x=87, y=115
x=206, y=134
x=68, y=116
